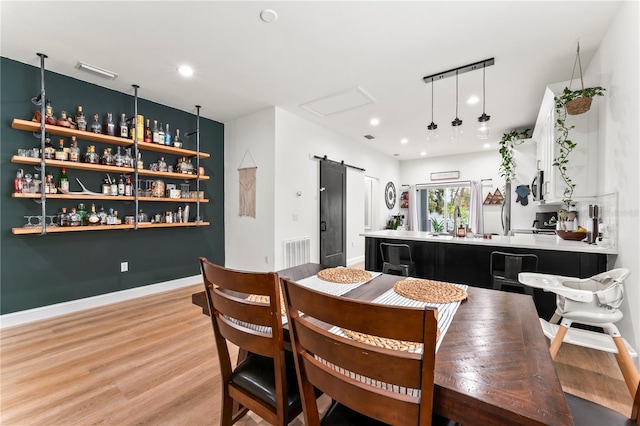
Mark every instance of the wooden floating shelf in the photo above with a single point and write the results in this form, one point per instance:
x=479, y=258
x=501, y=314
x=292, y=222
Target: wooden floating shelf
x=32, y=126
x=57, y=229
x=144, y=225
x=75, y=197
x=172, y=175
x=173, y=200
x=72, y=165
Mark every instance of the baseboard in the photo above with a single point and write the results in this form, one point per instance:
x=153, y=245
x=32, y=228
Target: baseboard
x=355, y=260
x=44, y=312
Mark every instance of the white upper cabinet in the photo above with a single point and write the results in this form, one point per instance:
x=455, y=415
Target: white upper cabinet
x=582, y=166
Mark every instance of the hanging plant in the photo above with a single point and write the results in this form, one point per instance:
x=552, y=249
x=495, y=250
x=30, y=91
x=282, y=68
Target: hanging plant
x=508, y=142
x=565, y=144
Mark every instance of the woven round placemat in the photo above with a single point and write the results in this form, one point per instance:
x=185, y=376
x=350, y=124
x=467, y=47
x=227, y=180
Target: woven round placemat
x=260, y=298
x=344, y=275
x=383, y=342
x=429, y=291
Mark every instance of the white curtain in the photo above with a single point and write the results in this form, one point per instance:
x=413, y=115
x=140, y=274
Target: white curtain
x=475, y=215
x=413, y=208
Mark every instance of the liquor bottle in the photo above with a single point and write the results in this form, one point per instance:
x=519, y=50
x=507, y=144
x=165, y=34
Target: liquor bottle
x=63, y=181
x=139, y=162
x=160, y=134
x=49, y=118
x=74, y=218
x=49, y=150
x=63, y=121
x=37, y=183
x=111, y=220
x=81, y=121
x=63, y=217
x=106, y=187
x=155, y=134
x=117, y=220
x=128, y=159
x=114, y=188
x=92, y=218
x=74, y=151
x=110, y=125
x=82, y=212
x=118, y=159
x=96, y=127
x=121, y=186
x=61, y=154
x=124, y=127
x=167, y=136
x=47, y=184
x=91, y=156
x=18, y=182
x=179, y=217
x=128, y=187
x=162, y=165
x=177, y=143
x=148, y=136
x=103, y=216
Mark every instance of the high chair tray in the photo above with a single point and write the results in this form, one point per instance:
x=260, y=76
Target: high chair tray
x=588, y=339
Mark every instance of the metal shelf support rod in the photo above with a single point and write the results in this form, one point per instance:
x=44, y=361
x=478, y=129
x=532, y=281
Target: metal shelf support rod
x=43, y=101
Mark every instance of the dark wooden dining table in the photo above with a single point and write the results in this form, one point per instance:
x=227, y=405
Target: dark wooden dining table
x=493, y=365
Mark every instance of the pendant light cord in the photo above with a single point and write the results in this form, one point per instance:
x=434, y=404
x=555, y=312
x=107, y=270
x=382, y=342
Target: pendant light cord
x=483, y=83
x=432, y=99
x=456, y=94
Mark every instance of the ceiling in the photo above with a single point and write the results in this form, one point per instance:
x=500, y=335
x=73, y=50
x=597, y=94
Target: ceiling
x=317, y=49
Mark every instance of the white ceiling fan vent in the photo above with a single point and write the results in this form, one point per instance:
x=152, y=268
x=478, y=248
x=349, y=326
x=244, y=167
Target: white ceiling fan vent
x=339, y=102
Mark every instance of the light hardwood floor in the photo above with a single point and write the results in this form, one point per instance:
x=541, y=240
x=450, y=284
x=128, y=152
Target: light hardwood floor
x=152, y=360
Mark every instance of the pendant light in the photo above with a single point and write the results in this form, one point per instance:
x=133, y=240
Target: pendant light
x=483, y=129
x=456, y=129
x=432, y=132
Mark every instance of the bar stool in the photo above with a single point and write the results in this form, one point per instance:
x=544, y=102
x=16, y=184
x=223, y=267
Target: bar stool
x=396, y=259
x=590, y=301
x=505, y=268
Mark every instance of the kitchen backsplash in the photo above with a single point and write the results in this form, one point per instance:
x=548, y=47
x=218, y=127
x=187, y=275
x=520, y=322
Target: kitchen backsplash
x=608, y=223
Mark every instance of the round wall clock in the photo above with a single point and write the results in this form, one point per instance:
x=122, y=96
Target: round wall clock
x=390, y=195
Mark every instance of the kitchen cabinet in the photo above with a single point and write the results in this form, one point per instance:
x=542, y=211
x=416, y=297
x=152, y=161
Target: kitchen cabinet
x=110, y=140
x=582, y=166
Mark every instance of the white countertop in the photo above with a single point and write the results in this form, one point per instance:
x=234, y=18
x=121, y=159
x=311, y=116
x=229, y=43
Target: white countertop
x=533, y=241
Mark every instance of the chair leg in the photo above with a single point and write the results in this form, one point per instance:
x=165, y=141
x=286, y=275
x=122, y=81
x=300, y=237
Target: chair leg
x=226, y=417
x=555, y=318
x=557, y=341
x=628, y=369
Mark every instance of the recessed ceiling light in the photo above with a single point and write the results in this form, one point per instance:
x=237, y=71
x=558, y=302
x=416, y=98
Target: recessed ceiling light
x=473, y=99
x=423, y=153
x=185, y=70
x=396, y=155
x=268, y=16
x=404, y=140
x=374, y=121
x=486, y=145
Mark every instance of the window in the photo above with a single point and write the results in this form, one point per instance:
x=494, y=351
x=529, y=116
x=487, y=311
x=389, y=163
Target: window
x=441, y=200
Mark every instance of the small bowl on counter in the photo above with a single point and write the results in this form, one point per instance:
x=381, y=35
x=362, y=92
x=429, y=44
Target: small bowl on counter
x=571, y=235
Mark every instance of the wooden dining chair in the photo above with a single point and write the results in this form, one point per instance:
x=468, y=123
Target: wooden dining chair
x=587, y=413
x=265, y=381
x=369, y=384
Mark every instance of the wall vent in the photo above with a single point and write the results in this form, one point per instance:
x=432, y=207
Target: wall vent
x=297, y=252
x=369, y=137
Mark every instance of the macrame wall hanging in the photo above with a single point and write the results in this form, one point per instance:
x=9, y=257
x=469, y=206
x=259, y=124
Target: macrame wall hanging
x=247, y=185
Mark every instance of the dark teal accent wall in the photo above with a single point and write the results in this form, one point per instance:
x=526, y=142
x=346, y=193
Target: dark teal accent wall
x=43, y=270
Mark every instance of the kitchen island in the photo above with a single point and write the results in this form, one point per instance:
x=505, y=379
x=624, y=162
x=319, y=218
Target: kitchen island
x=466, y=260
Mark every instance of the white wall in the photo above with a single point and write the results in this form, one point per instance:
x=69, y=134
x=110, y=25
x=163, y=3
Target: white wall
x=297, y=141
x=615, y=67
x=249, y=241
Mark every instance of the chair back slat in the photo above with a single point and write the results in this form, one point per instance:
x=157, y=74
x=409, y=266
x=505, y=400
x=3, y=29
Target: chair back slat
x=392, y=386
x=241, y=309
x=253, y=341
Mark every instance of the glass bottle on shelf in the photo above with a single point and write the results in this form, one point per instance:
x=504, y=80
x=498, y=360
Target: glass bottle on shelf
x=82, y=212
x=91, y=156
x=190, y=167
x=121, y=186
x=111, y=218
x=37, y=183
x=154, y=135
x=118, y=159
x=63, y=217
x=49, y=117
x=74, y=151
x=160, y=134
x=127, y=187
x=81, y=121
x=96, y=127
x=63, y=121
x=61, y=154
x=167, y=136
x=114, y=187
x=106, y=187
x=103, y=216
x=92, y=218
x=110, y=125
x=74, y=218
x=18, y=182
x=177, y=143
x=49, y=150
x=124, y=127
x=139, y=162
x=128, y=159
x=107, y=157
x=148, y=136
x=162, y=165
x=63, y=181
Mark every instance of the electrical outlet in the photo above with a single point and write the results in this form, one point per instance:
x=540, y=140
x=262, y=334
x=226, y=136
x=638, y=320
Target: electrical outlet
x=124, y=266
x=266, y=260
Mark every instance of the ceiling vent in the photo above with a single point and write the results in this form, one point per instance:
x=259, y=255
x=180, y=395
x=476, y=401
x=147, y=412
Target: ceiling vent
x=369, y=137
x=339, y=102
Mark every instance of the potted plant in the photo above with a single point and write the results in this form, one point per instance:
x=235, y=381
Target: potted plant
x=508, y=168
x=566, y=145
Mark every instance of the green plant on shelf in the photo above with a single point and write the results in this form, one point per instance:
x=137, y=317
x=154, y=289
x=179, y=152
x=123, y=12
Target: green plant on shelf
x=507, y=144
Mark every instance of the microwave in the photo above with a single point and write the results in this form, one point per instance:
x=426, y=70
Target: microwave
x=537, y=185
